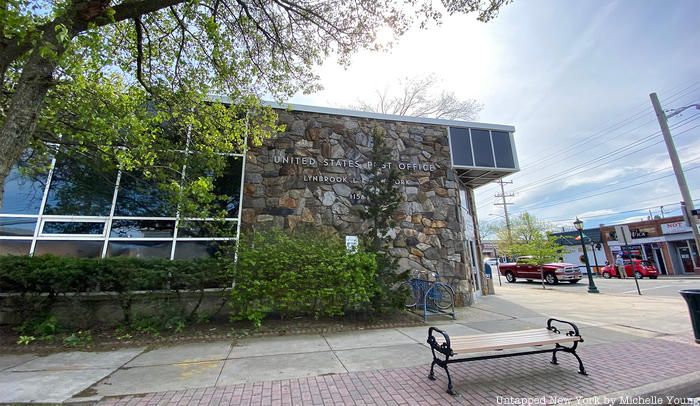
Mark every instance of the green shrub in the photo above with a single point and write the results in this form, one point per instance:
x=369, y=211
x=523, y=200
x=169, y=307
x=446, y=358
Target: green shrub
x=38, y=281
x=307, y=274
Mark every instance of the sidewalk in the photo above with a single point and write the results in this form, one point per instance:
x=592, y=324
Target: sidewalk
x=650, y=351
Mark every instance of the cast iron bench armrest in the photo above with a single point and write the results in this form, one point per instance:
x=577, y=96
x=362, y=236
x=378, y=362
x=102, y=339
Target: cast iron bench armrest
x=451, y=347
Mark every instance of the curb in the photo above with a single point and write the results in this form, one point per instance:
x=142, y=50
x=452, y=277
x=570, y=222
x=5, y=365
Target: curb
x=680, y=387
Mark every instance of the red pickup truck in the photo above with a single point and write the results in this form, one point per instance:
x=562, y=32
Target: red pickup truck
x=553, y=273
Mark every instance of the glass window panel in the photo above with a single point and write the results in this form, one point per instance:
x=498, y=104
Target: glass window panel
x=17, y=226
x=22, y=192
x=73, y=227
x=15, y=247
x=207, y=229
x=70, y=248
x=80, y=189
x=139, y=249
x=142, y=228
x=461, y=147
x=139, y=196
x=483, y=154
x=197, y=249
x=503, y=149
x=226, y=186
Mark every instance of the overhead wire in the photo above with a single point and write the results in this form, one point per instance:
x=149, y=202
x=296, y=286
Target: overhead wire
x=618, y=125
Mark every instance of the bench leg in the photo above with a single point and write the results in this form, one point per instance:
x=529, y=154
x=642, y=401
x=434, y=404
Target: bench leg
x=443, y=365
x=581, y=369
x=554, y=358
x=449, y=382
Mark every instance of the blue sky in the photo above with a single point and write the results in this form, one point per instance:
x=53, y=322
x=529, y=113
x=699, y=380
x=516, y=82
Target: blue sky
x=574, y=79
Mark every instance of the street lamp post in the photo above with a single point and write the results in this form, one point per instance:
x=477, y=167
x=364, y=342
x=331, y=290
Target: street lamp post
x=591, y=285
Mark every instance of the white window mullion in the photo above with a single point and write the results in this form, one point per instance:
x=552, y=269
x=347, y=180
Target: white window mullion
x=44, y=198
x=108, y=227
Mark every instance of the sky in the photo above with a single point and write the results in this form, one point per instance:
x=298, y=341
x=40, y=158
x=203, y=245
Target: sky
x=573, y=78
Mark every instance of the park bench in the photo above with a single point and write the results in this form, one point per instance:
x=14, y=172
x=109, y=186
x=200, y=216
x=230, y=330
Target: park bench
x=454, y=349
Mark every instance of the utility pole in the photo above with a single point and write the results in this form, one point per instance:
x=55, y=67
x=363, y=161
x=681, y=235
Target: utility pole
x=677, y=168
x=505, y=205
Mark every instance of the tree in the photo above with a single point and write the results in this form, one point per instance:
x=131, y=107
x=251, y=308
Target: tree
x=416, y=97
x=173, y=54
x=380, y=192
x=542, y=249
x=529, y=238
x=381, y=199
x=524, y=228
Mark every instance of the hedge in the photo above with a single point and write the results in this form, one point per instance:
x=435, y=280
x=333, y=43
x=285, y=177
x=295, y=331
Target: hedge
x=307, y=274
x=38, y=281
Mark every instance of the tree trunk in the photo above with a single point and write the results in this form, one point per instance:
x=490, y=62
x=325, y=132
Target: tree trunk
x=542, y=276
x=23, y=112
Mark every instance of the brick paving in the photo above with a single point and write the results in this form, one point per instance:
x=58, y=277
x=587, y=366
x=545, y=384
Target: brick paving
x=612, y=367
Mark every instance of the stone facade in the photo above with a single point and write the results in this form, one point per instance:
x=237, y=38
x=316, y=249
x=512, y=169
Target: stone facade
x=312, y=174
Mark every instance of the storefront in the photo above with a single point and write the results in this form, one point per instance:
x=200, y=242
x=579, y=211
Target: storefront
x=310, y=175
x=667, y=243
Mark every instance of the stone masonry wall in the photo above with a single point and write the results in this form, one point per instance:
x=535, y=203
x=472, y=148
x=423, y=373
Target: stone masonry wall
x=312, y=174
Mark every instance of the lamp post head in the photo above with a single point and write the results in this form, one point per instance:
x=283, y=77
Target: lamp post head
x=578, y=224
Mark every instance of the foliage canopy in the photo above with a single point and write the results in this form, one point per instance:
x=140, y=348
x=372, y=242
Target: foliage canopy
x=102, y=77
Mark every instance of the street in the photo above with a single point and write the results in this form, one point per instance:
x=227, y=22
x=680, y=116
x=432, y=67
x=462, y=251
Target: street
x=648, y=287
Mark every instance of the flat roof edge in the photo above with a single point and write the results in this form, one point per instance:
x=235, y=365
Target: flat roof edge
x=378, y=116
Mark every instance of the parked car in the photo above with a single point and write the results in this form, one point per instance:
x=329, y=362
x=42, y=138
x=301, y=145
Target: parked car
x=637, y=267
x=553, y=272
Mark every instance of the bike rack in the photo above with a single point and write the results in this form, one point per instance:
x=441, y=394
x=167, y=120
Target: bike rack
x=428, y=308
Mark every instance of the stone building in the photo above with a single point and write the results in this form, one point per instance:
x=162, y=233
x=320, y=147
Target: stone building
x=312, y=174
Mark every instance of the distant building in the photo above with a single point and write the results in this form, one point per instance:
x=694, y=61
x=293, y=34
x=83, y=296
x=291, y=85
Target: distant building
x=667, y=243
x=573, y=251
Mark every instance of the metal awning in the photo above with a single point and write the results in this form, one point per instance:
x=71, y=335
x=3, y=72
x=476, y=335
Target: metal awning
x=482, y=155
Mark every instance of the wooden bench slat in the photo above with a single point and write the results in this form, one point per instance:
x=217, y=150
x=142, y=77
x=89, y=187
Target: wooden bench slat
x=502, y=341
x=525, y=334
x=522, y=333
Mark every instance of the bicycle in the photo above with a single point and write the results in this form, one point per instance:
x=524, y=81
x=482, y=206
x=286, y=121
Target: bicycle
x=424, y=292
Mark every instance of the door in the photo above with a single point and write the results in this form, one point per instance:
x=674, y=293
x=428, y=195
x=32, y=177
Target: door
x=686, y=259
x=659, y=260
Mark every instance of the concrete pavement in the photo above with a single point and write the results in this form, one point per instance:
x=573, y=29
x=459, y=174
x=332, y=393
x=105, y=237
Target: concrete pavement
x=631, y=342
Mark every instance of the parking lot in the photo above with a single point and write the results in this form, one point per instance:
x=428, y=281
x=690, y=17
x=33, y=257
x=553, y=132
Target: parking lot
x=649, y=287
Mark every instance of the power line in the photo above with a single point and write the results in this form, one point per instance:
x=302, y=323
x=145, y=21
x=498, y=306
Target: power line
x=606, y=158
x=618, y=125
x=608, y=192
x=617, y=188
x=606, y=131
x=575, y=170
x=505, y=204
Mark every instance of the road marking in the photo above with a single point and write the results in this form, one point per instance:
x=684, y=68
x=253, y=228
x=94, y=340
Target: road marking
x=655, y=287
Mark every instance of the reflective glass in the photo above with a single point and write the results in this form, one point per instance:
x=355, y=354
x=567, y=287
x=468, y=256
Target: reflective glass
x=226, y=186
x=139, y=196
x=142, y=228
x=503, y=149
x=483, y=154
x=461, y=147
x=22, y=193
x=139, y=249
x=17, y=226
x=80, y=189
x=70, y=248
x=196, y=249
x=73, y=227
x=15, y=247
x=207, y=229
